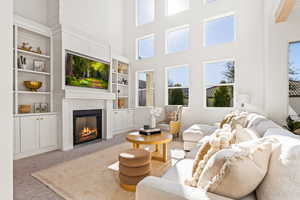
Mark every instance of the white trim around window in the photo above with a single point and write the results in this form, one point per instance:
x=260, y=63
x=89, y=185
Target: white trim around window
x=174, y=29
x=167, y=85
x=152, y=35
x=227, y=84
x=206, y=20
x=137, y=88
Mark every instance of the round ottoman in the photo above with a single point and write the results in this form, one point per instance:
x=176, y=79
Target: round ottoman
x=134, y=166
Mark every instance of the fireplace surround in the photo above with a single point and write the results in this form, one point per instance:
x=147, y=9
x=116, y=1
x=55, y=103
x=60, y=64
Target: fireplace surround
x=87, y=126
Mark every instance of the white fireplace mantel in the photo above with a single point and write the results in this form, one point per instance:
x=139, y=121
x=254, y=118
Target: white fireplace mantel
x=79, y=93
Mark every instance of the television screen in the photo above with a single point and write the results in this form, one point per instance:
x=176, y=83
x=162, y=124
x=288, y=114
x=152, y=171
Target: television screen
x=85, y=72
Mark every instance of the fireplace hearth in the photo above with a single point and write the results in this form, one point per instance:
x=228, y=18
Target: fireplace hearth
x=87, y=126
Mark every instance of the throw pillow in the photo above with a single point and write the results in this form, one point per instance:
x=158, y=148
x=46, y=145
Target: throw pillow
x=236, y=172
x=171, y=116
x=220, y=139
x=282, y=180
x=245, y=134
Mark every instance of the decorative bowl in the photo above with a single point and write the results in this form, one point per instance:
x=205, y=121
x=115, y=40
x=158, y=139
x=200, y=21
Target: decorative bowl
x=33, y=85
x=24, y=108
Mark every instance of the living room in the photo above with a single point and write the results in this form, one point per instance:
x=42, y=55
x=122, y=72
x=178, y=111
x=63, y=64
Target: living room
x=150, y=99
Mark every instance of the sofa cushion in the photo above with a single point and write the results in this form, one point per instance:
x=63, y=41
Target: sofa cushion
x=180, y=172
x=282, y=179
x=236, y=172
x=280, y=131
x=245, y=134
x=260, y=123
x=197, y=132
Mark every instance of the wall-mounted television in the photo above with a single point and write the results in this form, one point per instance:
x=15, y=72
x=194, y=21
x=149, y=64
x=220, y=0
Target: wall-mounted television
x=82, y=71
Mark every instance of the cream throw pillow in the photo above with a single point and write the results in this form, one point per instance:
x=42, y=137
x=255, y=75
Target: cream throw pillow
x=220, y=139
x=236, y=172
x=245, y=134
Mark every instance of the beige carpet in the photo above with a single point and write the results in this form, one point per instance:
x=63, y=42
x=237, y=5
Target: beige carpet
x=89, y=178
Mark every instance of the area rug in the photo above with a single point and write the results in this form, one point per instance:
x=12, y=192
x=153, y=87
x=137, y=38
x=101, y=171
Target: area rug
x=94, y=177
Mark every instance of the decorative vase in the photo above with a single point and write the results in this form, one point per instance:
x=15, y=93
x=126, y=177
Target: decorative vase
x=153, y=122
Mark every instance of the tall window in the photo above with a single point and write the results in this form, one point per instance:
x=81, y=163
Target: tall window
x=145, y=11
x=219, y=83
x=177, y=39
x=145, y=47
x=176, y=6
x=178, y=85
x=219, y=30
x=145, y=95
x=294, y=76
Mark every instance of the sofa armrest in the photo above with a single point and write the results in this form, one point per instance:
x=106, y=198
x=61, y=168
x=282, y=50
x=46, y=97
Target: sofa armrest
x=154, y=188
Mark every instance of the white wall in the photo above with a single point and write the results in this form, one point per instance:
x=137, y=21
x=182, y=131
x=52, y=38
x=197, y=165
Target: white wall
x=279, y=36
x=35, y=10
x=100, y=19
x=248, y=51
x=6, y=142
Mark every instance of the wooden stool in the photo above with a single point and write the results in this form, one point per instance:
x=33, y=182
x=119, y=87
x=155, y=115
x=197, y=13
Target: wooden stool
x=134, y=166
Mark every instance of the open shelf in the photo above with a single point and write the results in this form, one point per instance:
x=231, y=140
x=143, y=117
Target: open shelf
x=33, y=72
x=33, y=54
x=30, y=92
x=34, y=114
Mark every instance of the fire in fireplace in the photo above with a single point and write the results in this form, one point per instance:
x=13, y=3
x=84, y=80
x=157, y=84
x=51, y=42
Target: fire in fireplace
x=87, y=125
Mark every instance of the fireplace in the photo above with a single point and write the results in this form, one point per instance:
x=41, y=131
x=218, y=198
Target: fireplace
x=87, y=126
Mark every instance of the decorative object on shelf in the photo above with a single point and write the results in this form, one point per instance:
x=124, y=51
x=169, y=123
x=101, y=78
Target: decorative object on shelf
x=293, y=125
x=22, y=62
x=154, y=112
x=33, y=85
x=38, y=50
x=24, y=109
x=25, y=47
x=121, y=103
x=44, y=107
x=39, y=65
x=37, y=107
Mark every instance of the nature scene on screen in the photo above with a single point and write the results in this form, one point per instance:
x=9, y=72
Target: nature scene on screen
x=83, y=72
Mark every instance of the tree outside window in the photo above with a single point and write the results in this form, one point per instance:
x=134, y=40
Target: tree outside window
x=178, y=85
x=219, y=83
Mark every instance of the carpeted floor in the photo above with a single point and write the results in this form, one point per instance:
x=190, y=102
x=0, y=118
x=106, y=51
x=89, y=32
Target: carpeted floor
x=27, y=187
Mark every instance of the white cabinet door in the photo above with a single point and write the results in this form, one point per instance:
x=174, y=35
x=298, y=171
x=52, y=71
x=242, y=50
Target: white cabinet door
x=130, y=119
x=17, y=136
x=115, y=121
x=29, y=130
x=48, y=131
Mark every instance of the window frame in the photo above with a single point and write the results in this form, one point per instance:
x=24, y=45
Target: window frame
x=225, y=84
x=207, y=20
x=137, y=89
x=167, y=8
x=185, y=26
x=137, y=14
x=137, y=47
x=167, y=84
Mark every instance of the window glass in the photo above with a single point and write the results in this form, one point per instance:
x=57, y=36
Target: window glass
x=177, y=6
x=145, y=11
x=145, y=47
x=145, y=88
x=178, y=40
x=178, y=86
x=219, y=83
x=219, y=31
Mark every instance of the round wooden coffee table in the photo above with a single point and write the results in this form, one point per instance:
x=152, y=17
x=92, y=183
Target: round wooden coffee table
x=158, y=139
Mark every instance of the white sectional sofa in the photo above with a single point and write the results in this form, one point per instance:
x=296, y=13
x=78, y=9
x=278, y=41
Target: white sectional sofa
x=281, y=182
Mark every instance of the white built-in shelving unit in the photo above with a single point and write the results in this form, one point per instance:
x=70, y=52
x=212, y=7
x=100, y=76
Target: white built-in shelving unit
x=120, y=82
x=35, y=35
